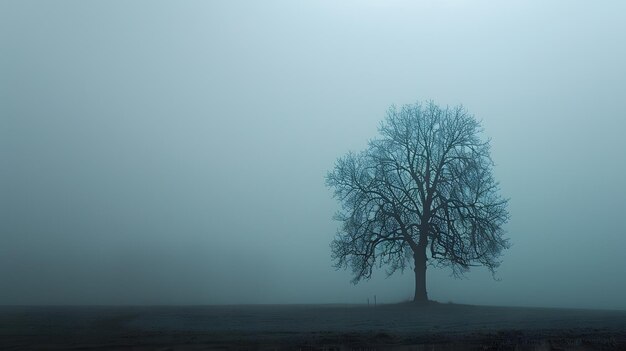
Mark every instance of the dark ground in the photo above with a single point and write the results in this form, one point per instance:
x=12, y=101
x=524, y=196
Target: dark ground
x=311, y=327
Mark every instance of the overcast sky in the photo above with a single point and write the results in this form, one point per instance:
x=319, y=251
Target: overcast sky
x=155, y=152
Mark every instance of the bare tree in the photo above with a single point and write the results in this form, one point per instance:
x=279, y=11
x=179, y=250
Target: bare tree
x=422, y=191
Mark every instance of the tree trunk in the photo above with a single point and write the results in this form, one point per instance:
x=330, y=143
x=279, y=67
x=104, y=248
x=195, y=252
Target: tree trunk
x=419, y=256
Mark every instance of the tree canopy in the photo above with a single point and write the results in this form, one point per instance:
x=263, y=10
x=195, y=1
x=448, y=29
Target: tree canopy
x=423, y=191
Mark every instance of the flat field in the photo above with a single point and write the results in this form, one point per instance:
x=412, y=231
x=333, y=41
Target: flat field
x=310, y=327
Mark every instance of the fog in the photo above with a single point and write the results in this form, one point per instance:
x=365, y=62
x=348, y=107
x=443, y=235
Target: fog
x=175, y=153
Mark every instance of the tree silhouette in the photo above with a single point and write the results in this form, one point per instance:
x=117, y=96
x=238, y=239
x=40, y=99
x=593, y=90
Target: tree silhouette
x=422, y=191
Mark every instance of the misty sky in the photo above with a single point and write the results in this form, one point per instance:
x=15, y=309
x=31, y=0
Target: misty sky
x=155, y=152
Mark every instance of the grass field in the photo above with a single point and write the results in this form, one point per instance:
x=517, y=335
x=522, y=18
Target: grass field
x=310, y=327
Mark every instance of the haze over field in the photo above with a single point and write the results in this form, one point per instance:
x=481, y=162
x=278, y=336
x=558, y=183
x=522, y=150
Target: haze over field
x=175, y=153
